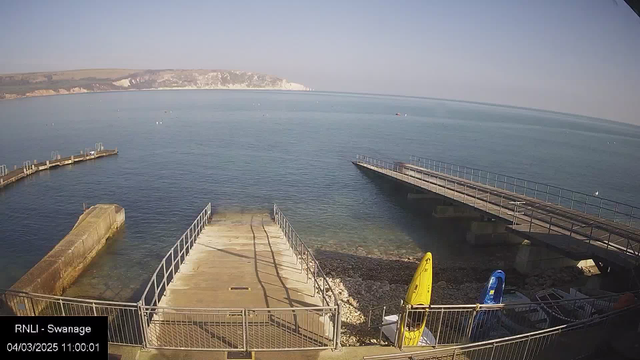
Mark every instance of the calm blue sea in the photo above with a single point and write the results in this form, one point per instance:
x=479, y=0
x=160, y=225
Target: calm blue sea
x=244, y=150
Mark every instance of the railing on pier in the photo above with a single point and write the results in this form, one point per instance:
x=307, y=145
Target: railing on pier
x=525, y=217
x=615, y=211
x=528, y=346
x=240, y=329
x=309, y=262
x=171, y=263
x=313, y=270
x=460, y=324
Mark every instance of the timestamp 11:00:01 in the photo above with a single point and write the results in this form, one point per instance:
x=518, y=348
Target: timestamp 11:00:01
x=67, y=347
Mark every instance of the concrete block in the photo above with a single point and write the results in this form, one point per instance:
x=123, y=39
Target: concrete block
x=452, y=211
x=62, y=265
x=490, y=233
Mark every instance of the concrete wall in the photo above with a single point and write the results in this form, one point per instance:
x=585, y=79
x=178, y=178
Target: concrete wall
x=62, y=265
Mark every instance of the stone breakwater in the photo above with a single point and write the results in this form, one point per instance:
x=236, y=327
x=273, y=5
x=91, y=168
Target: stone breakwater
x=362, y=283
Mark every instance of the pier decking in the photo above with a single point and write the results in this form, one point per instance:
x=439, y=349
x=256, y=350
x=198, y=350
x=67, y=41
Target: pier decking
x=578, y=230
x=241, y=260
x=28, y=168
x=240, y=281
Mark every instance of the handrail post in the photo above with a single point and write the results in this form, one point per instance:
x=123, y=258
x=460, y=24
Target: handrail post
x=245, y=328
x=471, y=320
x=144, y=326
x=547, y=199
x=560, y=197
x=572, y=198
x=315, y=278
x=338, y=325
x=173, y=265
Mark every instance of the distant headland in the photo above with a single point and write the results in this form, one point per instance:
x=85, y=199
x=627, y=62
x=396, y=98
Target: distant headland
x=14, y=86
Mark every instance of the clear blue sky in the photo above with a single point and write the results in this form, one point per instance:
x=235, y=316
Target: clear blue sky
x=577, y=56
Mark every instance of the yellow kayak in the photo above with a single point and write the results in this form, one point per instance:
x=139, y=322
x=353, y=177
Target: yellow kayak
x=419, y=293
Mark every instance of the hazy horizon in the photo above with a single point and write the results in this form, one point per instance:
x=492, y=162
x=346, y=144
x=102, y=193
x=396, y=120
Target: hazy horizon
x=576, y=57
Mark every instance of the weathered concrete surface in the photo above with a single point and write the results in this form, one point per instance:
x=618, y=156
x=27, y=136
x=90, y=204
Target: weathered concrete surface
x=242, y=261
x=241, y=250
x=62, y=265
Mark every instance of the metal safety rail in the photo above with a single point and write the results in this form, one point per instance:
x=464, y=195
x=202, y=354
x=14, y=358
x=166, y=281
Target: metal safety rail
x=524, y=218
x=615, y=211
x=313, y=270
x=532, y=345
x=150, y=325
x=457, y=324
x=240, y=329
x=124, y=318
x=243, y=329
x=309, y=262
x=171, y=263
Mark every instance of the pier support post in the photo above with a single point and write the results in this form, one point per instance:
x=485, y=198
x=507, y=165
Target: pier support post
x=532, y=257
x=454, y=211
x=490, y=233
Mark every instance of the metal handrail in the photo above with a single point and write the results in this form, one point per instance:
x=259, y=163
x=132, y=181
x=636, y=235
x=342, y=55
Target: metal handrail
x=187, y=240
x=510, y=339
x=493, y=179
x=305, y=255
x=124, y=324
x=312, y=268
x=64, y=298
x=509, y=305
x=631, y=236
x=570, y=229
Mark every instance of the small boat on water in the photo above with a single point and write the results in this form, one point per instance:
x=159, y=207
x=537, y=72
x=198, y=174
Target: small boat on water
x=521, y=319
x=566, y=307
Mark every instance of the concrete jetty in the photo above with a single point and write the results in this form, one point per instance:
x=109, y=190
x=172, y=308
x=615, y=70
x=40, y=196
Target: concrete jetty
x=62, y=265
x=28, y=168
x=240, y=282
x=241, y=261
x=576, y=231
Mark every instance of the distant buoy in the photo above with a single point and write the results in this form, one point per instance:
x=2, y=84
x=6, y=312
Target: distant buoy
x=157, y=123
x=596, y=193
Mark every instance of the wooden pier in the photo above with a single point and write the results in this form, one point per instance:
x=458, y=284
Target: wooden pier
x=28, y=168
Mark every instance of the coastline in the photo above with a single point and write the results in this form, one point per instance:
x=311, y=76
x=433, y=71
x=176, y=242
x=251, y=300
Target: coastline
x=19, y=97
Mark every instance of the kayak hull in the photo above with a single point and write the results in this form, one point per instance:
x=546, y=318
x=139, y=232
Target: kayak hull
x=419, y=293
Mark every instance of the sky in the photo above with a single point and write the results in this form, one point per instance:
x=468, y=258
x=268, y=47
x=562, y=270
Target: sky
x=575, y=56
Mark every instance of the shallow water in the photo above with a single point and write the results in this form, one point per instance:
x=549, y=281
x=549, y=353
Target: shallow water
x=244, y=150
